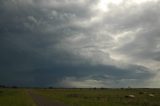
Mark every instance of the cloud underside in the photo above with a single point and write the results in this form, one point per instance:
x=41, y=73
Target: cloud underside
x=83, y=43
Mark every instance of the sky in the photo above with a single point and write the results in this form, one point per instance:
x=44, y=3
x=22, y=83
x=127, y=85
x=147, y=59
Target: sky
x=80, y=43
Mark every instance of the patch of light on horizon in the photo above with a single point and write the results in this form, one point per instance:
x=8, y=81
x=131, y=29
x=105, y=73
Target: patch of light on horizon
x=103, y=4
x=142, y=1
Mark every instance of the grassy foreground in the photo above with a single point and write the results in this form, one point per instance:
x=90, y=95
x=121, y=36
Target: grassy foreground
x=83, y=97
x=104, y=97
x=15, y=97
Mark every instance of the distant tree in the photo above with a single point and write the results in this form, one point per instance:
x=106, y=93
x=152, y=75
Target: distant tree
x=50, y=87
x=102, y=88
x=94, y=88
x=14, y=86
x=2, y=86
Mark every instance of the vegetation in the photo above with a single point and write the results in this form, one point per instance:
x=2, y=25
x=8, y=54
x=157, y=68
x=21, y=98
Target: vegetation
x=104, y=97
x=15, y=97
x=83, y=97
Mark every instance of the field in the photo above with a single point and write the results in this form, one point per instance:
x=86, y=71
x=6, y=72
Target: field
x=82, y=97
x=15, y=97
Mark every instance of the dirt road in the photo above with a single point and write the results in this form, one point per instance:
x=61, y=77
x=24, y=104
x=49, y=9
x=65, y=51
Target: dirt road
x=42, y=101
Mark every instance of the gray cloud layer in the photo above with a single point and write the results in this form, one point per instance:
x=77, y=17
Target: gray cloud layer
x=76, y=44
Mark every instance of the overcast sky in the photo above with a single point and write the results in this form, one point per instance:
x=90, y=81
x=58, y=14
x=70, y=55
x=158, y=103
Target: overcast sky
x=80, y=43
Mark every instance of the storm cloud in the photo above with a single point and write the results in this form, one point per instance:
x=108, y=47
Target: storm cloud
x=82, y=43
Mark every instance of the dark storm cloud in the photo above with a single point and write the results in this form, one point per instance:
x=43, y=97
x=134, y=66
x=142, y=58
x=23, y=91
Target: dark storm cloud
x=44, y=43
x=29, y=33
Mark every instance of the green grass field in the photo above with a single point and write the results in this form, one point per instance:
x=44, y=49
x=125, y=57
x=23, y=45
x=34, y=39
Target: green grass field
x=104, y=97
x=83, y=97
x=15, y=97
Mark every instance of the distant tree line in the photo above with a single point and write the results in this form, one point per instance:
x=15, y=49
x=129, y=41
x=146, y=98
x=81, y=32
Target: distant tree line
x=4, y=86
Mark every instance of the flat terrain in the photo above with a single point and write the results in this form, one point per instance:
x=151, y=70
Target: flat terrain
x=42, y=100
x=15, y=97
x=79, y=97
